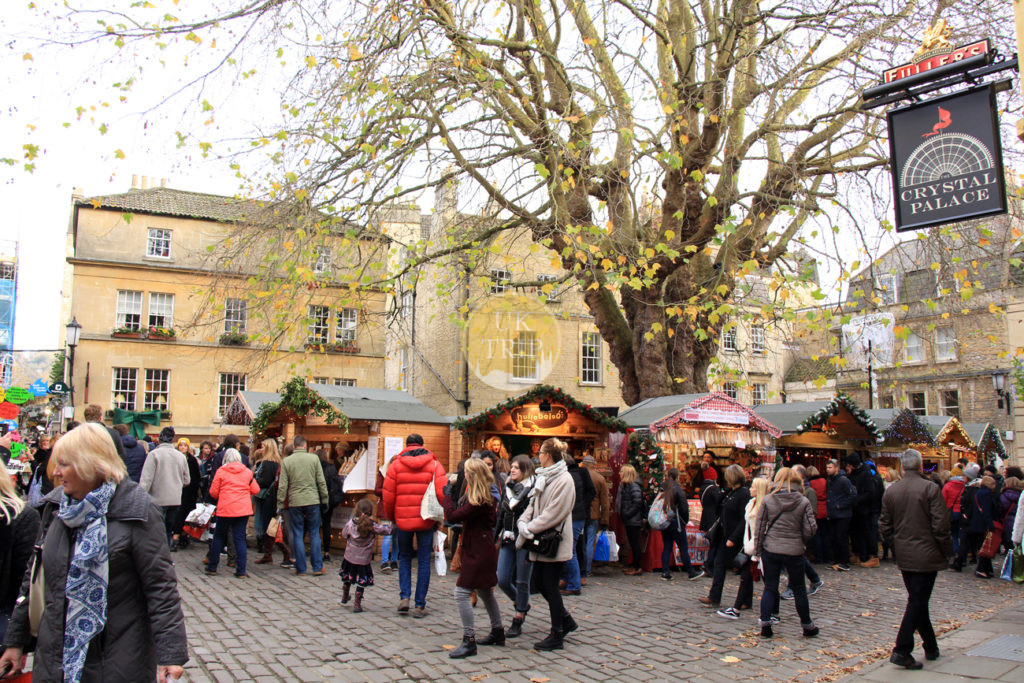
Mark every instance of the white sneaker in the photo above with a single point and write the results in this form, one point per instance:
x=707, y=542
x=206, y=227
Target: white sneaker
x=728, y=613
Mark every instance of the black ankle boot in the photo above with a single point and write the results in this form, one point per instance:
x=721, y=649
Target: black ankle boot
x=568, y=624
x=495, y=637
x=766, y=631
x=516, y=629
x=467, y=649
x=552, y=642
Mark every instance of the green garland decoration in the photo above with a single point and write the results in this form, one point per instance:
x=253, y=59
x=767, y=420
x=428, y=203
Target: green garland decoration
x=908, y=423
x=647, y=458
x=537, y=393
x=832, y=408
x=300, y=400
x=991, y=434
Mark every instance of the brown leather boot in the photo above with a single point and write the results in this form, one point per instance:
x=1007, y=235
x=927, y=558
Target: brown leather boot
x=357, y=606
x=268, y=548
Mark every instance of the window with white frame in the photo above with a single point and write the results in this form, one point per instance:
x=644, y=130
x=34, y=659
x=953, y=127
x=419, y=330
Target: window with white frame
x=758, y=393
x=885, y=288
x=344, y=382
x=157, y=390
x=319, y=324
x=406, y=310
x=322, y=260
x=403, y=369
x=729, y=389
x=913, y=349
x=917, y=402
x=524, y=355
x=158, y=245
x=757, y=345
x=729, y=339
x=499, y=280
x=590, y=358
x=129, y=309
x=945, y=344
x=123, y=386
x=345, y=329
x=161, y=310
x=321, y=380
x=951, y=403
x=236, y=315
x=555, y=294
x=230, y=384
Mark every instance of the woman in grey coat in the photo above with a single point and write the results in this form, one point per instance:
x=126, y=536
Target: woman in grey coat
x=785, y=525
x=551, y=501
x=118, y=617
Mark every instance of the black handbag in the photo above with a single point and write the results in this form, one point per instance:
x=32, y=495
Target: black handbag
x=545, y=543
x=741, y=560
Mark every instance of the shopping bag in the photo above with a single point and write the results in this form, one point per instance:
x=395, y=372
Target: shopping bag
x=601, y=550
x=457, y=560
x=272, y=526
x=440, y=563
x=993, y=539
x=1018, y=565
x=1007, y=573
x=613, y=547
x=430, y=506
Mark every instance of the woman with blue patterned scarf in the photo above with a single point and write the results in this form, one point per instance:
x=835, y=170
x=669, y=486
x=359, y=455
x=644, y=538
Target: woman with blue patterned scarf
x=112, y=610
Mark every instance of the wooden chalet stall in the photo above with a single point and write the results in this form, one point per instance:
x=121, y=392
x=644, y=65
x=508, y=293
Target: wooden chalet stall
x=988, y=442
x=901, y=429
x=524, y=421
x=372, y=429
x=952, y=442
x=813, y=432
x=684, y=427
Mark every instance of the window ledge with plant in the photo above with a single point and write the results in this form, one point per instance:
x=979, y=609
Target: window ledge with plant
x=336, y=347
x=161, y=332
x=234, y=339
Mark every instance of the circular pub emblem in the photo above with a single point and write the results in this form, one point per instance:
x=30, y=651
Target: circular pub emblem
x=513, y=341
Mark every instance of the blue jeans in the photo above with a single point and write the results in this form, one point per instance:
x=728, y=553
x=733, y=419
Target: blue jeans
x=590, y=536
x=424, y=548
x=514, y=573
x=571, y=572
x=389, y=548
x=306, y=519
x=673, y=536
x=236, y=527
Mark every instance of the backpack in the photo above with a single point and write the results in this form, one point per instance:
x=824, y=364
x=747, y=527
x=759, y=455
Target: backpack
x=335, y=491
x=967, y=497
x=658, y=517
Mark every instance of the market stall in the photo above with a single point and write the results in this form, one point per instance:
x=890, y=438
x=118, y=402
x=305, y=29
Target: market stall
x=988, y=442
x=522, y=422
x=813, y=432
x=683, y=428
x=901, y=429
x=367, y=426
x=952, y=442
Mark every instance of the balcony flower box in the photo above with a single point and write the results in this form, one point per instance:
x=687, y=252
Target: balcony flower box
x=327, y=347
x=126, y=333
x=234, y=339
x=161, y=333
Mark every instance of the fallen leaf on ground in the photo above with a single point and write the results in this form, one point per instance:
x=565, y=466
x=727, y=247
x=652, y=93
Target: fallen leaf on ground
x=539, y=680
x=730, y=659
x=448, y=647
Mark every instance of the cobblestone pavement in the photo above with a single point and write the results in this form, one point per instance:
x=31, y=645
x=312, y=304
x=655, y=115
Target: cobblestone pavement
x=275, y=626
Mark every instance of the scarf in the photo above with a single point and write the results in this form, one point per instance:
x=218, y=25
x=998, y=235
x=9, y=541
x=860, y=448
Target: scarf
x=514, y=491
x=544, y=474
x=86, y=589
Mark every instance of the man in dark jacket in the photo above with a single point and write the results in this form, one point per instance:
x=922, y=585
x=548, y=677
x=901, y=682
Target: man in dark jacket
x=841, y=497
x=710, y=496
x=915, y=522
x=585, y=494
x=865, y=542
x=134, y=453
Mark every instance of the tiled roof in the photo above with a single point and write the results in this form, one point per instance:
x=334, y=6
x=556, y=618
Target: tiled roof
x=165, y=201
x=808, y=369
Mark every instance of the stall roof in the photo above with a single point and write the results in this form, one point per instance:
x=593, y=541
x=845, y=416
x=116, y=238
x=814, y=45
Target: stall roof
x=540, y=392
x=941, y=426
x=986, y=437
x=666, y=411
x=356, y=403
x=796, y=418
x=892, y=423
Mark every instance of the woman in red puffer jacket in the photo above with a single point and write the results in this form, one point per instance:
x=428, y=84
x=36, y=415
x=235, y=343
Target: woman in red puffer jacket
x=233, y=487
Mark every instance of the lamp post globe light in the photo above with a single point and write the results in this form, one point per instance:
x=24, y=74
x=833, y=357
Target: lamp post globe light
x=73, y=330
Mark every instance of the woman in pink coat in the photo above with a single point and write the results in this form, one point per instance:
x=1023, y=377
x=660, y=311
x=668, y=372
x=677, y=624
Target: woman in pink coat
x=233, y=488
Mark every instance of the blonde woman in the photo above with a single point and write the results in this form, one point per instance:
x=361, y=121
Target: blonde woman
x=785, y=525
x=745, y=593
x=103, y=531
x=629, y=504
x=268, y=462
x=19, y=525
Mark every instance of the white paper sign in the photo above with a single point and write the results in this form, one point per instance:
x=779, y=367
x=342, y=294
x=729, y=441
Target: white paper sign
x=392, y=446
x=741, y=444
x=699, y=444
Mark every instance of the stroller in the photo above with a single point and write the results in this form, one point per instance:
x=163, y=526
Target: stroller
x=197, y=523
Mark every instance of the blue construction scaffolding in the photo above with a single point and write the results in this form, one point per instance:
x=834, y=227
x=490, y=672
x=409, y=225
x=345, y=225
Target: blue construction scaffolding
x=8, y=302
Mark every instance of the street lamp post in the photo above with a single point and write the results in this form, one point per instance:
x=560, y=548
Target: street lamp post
x=73, y=330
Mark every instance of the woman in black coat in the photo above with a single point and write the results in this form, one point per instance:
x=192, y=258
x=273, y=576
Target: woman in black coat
x=674, y=499
x=19, y=526
x=727, y=536
x=983, y=516
x=142, y=637
x=629, y=504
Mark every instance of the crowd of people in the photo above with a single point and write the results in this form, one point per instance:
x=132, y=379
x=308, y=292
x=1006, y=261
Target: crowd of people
x=103, y=511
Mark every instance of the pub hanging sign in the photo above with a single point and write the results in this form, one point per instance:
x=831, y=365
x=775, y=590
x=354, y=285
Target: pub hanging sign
x=947, y=160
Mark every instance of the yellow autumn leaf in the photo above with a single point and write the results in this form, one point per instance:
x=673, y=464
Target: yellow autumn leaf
x=27, y=57
x=729, y=659
x=354, y=53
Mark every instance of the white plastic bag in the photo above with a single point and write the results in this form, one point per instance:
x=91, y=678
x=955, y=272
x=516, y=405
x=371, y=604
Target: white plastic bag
x=201, y=515
x=613, y=547
x=440, y=562
x=430, y=506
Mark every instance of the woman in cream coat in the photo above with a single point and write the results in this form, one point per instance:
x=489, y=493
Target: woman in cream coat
x=551, y=502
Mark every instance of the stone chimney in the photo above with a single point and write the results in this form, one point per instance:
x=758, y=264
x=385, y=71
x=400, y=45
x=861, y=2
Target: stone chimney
x=135, y=181
x=163, y=182
x=145, y=182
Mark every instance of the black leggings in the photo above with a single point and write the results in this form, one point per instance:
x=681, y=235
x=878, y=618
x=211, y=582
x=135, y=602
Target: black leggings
x=633, y=537
x=547, y=575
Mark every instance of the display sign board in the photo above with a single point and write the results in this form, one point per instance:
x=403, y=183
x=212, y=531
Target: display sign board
x=736, y=417
x=946, y=157
x=531, y=418
x=934, y=61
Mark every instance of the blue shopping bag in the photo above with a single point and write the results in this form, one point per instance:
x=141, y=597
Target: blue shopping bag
x=603, y=548
x=1007, y=573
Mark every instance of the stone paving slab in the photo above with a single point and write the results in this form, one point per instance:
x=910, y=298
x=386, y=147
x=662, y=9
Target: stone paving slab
x=282, y=627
